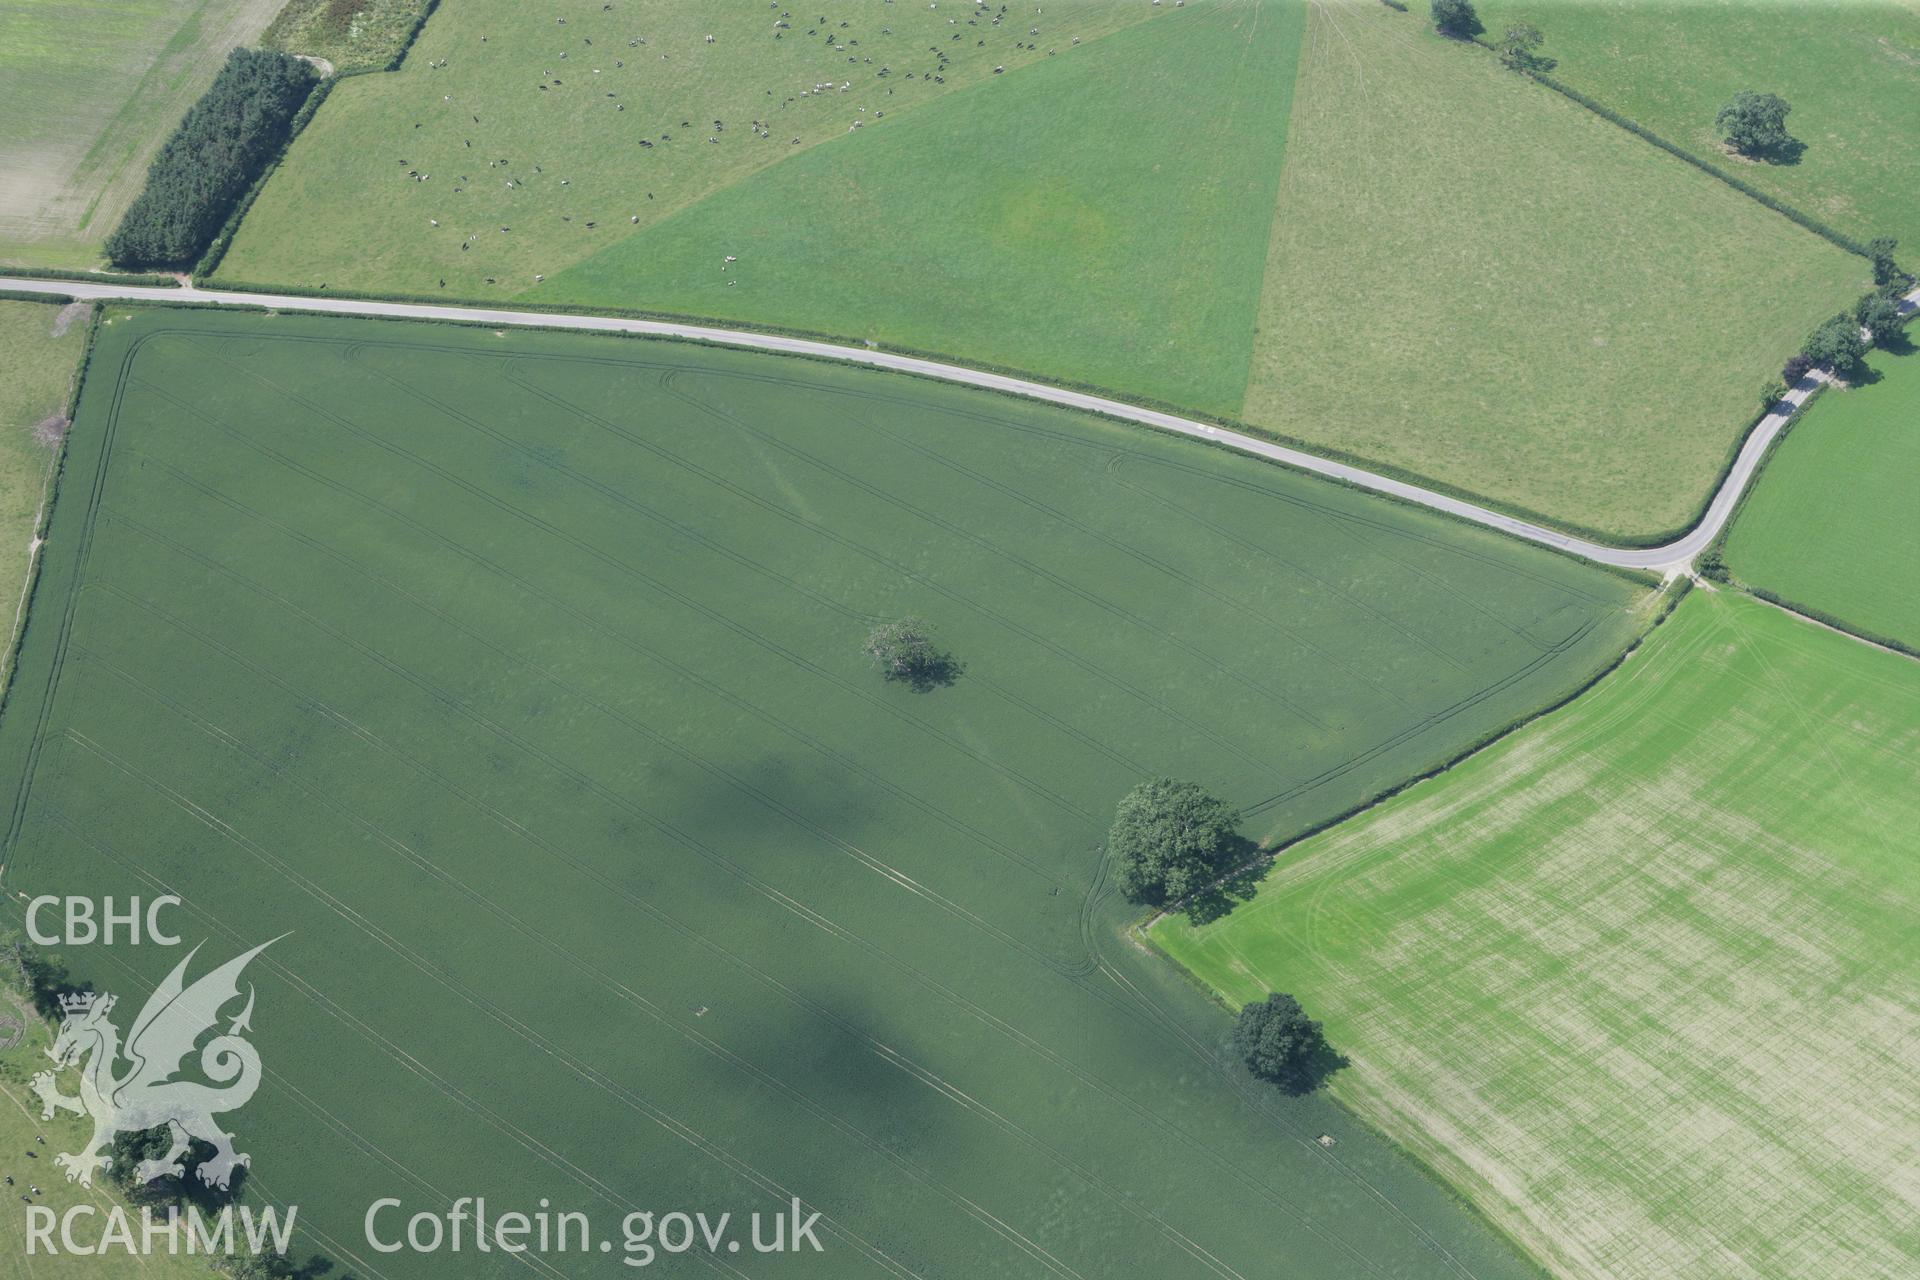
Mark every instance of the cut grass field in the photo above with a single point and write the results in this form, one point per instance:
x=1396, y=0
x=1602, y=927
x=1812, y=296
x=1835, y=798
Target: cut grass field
x=40, y=346
x=1850, y=69
x=1475, y=280
x=1829, y=526
x=1641, y=977
x=88, y=92
x=519, y=675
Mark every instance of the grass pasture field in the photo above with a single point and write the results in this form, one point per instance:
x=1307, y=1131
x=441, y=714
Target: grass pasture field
x=518, y=675
x=1100, y=218
x=1829, y=524
x=1640, y=977
x=1476, y=280
x=1850, y=68
x=88, y=92
x=566, y=107
x=40, y=346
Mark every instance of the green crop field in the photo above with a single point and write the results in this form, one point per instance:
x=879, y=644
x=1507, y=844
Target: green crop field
x=1476, y=280
x=40, y=346
x=1641, y=977
x=1850, y=69
x=1830, y=524
x=517, y=678
x=88, y=92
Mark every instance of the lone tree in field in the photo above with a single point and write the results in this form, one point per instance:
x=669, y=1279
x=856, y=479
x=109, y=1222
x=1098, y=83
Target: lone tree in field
x=1836, y=345
x=1520, y=48
x=905, y=651
x=1456, y=18
x=1169, y=838
x=1755, y=123
x=1279, y=1042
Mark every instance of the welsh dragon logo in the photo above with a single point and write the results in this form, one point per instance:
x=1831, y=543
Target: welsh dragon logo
x=149, y=1092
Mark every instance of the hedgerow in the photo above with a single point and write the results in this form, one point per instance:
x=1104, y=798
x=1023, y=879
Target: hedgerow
x=233, y=132
x=1639, y=130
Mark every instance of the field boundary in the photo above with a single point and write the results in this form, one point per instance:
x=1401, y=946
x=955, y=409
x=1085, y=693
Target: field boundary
x=152, y=279
x=1392, y=471
x=49, y=490
x=217, y=247
x=1714, y=567
x=1667, y=600
x=1666, y=558
x=1804, y=220
x=1630, y=560
x=36, y=578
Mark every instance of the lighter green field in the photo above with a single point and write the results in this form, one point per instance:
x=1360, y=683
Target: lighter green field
x=88, y=92
x=519, y=676
x=40, y=346
x=341, y=209
x=1641, y=978
x=1830, y=525
x=1101, y=218
x=1851, y=70
x=1476, y=281
x=30, y=1165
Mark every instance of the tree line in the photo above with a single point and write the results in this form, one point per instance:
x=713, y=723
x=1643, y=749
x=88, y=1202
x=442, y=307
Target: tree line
x=226, y=140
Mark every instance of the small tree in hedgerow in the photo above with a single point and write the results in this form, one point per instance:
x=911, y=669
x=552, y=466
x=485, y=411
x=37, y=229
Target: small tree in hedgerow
x=1771, y=393
x=1169, y=839
x=1755, y=123
x=905, y=651
x=1796, y=368
x=1278, y=1042
x=1880, y=252
x=1520, y=48
x=1456, y=18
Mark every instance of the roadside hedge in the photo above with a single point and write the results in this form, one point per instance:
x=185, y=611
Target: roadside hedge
x=227, y=138
x=153, y=278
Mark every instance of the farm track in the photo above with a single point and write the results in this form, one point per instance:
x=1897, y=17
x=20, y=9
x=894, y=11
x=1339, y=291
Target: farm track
x=1670, y=558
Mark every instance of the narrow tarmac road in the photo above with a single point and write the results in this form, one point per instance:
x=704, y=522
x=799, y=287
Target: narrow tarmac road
x=1675, y=557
